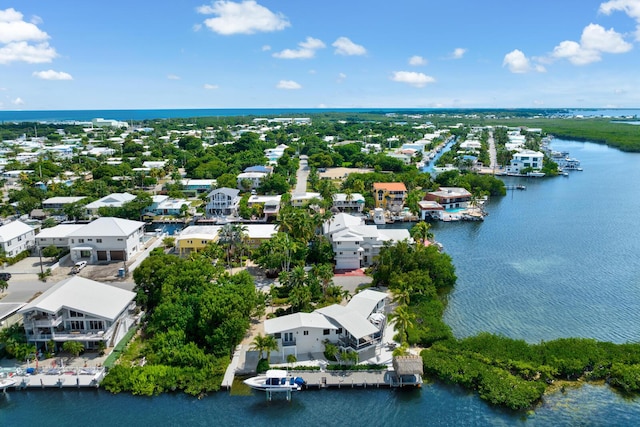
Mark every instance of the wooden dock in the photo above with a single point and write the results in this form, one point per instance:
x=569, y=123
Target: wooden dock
x=346, y=379
x=77, y=378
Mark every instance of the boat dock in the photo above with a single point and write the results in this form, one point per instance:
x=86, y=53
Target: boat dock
x=348, y=379
x=75, y=377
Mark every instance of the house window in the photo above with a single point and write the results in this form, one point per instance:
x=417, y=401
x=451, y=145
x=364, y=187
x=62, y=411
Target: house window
x=98, y=240
x=75, y=314
x=326, y=331
x=95, y=324
x=120, y=240
x=80, y=240
x=75, y=325
x=305, y=332
x=277, y=335
x=338, y=331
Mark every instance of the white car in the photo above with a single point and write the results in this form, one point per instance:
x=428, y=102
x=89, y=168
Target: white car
x=78, y=266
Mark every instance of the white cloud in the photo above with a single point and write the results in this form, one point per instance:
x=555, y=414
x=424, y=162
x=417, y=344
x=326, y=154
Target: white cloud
x=52, y=75
x=36, y=20
x=307, y=50
x=266, y=48
x=247, y=17
x=210, y=86
x=597, y=38
x=288, y=84
x=173, y=77
x=412, y=78
x=630, y=7
x=197, y=27
x=17, y=36
x=346, y=47
x=341, y=77
x=23, y=51
x=594, y=41
x=517, y=62
x=17, y=101
x=417, y=60
x=458, y=53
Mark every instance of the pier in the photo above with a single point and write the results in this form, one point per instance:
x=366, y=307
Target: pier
x=59, y=378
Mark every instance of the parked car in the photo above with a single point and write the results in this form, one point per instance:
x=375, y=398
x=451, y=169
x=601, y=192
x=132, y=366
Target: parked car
x=5, y=276
x=78, y=266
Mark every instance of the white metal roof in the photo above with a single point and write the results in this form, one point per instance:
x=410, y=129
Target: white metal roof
x=84, y=295
x=114, y=199
x=108, y=227
x=356, y=324
x=13, y=230
x=62, y=200
x=297, y=320
x=59, y=231
x=364, y=302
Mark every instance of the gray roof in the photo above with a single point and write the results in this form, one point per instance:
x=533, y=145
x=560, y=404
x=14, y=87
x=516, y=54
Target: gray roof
x=296, y=321
x=84, y=295
x=356, y=324
x=62, y=200
x=114, y=199
x=364, y=302
x=108, y=227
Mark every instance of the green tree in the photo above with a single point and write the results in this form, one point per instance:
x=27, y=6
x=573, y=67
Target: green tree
x=73, y=347
x=51, y=251
x=264, y=344
x=403, y=319
x=421, y=232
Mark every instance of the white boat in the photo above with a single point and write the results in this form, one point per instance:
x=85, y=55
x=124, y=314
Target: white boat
x=275, y=380
x=6, y=382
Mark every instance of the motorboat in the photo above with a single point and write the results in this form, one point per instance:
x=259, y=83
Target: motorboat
x=275, y=380
x=6, y=382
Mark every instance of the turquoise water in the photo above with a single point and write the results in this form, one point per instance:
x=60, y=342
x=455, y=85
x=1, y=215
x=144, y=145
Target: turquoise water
x=557, y=260
x=455, y=210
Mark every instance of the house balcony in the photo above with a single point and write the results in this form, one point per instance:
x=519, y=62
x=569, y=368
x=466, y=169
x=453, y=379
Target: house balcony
x=289, y=343
x=46, y=322
x=362, y=343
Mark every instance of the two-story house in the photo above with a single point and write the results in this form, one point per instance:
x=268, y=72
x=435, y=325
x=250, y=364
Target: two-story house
x=107, y=239
x=353, y=202
x=16, y=237
x=112, y=200
x=222, y=202
x=79, y=309
x=525, y=159
x=450, y=197
x=389, y=195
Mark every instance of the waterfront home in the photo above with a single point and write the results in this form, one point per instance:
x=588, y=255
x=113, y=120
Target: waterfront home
x=430, y=209
x=353, y=203
x=107, y=239
x=198, y=186
x=164, y=205
x=196, y=237
x=450, y=197
x=16, y=237
x=356, y=244
x=525, y=159
x=57, y=204
x=270, y=205
x=250, y=180
x=115, y=200
x=389, y=195
x=79, y=309
x=358, y=327
x=222, y=202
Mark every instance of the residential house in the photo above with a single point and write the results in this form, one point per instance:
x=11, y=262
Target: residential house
x=196, y=237
x=198, y=186
x=270, y=204
x=353, y=202
x=450, y=197
x=115, y=200
x=82, y=310
x=299, y=200
x=165, y=205
x=525, y=159
x=255, y=234
x=16, y=237
x=107, y=239
x=222, y=202
x=389, y=195
x=359, y=327
x=56, y=204
x=356, y=244
x=56, y=236
x=250, y=180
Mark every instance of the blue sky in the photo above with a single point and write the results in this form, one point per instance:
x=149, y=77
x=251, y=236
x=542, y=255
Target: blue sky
x=138, y=54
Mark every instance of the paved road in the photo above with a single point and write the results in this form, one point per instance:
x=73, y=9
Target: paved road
x=301, y=176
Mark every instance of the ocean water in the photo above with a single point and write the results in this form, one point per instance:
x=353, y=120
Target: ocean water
x=557, y=260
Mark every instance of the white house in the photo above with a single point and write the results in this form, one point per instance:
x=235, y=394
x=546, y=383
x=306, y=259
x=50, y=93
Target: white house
x=57, y=236
x=222, y=202
x=299, y=200
x=253, y=179
x=112, y=200
x=16, y=237
x=358, y=326
x=270, y=204
x=165, y=205
x=79, y=309
x=349, y=203
x=107, y=239
x=525, y=159
x=58, y=203
x=356, y=244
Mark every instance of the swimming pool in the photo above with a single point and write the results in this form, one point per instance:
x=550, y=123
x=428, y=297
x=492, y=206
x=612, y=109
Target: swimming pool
x=455, y=210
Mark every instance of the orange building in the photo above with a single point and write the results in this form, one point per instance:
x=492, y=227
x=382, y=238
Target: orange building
x=389, y=195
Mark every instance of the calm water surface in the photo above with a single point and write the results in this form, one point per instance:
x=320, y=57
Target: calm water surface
x=557, y=260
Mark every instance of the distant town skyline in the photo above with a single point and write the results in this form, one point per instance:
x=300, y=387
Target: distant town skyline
x=331, y=54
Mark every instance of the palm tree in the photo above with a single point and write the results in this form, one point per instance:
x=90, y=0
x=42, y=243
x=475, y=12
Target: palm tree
x=421, y=232
x=264, y=344
x=324, y=272
x=403, y=320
